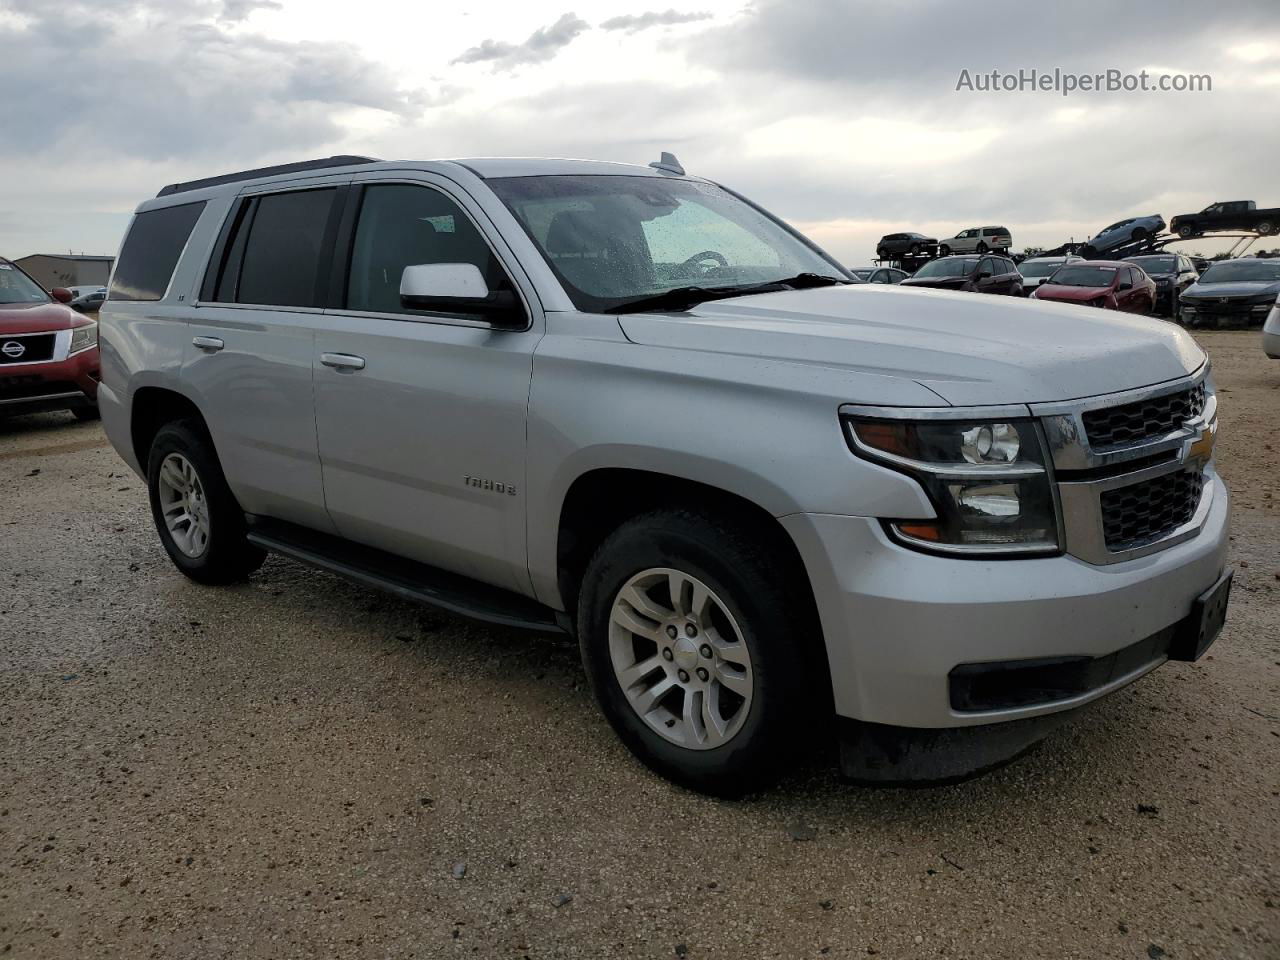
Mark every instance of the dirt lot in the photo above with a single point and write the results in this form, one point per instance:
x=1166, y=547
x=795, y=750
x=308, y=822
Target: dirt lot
x=299, y=767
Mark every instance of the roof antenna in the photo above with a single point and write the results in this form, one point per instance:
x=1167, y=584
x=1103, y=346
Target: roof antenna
x=668, y=163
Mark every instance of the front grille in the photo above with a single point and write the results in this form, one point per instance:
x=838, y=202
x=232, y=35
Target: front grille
x=1142, y=420
x=26, y=349
x=1146, y=512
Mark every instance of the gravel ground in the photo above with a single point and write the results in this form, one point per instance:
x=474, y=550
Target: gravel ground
x=299, y=767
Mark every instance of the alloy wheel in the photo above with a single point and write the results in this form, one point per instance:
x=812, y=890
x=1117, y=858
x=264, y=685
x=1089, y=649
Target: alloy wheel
x=183, y=505
x=680, y=658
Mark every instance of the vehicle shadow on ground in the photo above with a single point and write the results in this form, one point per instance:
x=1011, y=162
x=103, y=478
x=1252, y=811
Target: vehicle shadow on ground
x=38, y=422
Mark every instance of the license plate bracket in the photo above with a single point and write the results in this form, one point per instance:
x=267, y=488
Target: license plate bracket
x=1201, y=627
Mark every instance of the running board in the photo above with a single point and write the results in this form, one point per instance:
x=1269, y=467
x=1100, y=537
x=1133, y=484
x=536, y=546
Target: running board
x=404, y=578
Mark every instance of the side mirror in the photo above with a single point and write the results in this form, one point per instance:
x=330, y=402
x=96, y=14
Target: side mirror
x=458, y=288
x=62, y=294
x=1124, y=286
x=984, y=275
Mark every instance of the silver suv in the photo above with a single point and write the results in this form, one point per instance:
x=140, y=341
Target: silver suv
x=778, y=509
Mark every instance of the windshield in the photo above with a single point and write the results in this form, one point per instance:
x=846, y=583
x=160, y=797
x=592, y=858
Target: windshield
x=948, y=267
x=862, y=274
x=614, y=239
x=1237, y=270
x=1038, y=268
x=1084, y=276
x=17, y=287
x=1154, y=265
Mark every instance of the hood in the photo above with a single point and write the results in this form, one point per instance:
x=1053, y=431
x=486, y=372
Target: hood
x=1072, y=293
x=936, y=283
x=1236, y=290
x=968, y=349
x=37, y=317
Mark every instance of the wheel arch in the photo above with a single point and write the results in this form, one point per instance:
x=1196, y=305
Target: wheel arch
x=151, y=408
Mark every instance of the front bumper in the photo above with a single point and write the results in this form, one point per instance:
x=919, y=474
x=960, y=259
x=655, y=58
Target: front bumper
x=898, y=622
x=50, y=385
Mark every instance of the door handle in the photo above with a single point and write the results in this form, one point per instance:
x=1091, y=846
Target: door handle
x=342, y=361
x=212, y=344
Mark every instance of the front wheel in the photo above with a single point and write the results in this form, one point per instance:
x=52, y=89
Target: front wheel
x=1139, y=234
x=1186, y=230
x=915, y=249
x=199, y=521
x=944, y=251
x=693, y=641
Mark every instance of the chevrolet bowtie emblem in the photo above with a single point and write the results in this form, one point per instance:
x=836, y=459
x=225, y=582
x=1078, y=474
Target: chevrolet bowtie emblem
x=1199, y=448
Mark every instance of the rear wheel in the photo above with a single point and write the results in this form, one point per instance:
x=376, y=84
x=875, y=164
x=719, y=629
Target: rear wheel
x=982, y=247
x=689, y=636
x=1139, y=233
x=199, y=521
x=1266, y=227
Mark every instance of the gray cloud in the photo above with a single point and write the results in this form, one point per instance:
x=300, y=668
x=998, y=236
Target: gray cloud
x=633, y=23
x=238, y=10
x=190, y=90
x=543, y=44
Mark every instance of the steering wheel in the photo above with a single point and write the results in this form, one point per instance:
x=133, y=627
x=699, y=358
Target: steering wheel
x=695, y=263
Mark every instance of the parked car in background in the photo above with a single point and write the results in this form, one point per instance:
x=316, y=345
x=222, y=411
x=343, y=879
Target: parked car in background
x=894, y=245
x=1125, y=231
x=1172, y=272
x=989, y=274
x=879, y=274
x=1109, y=284
x=1271, y=332
x=1231, y=293
x=1227, y=215
x=87, y=299
x=1200, y=263
x=48, y=352
x=1036, y=270
x=977, y=240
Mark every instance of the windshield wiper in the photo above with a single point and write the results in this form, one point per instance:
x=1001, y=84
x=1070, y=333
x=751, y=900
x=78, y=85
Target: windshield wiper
x=681, y=298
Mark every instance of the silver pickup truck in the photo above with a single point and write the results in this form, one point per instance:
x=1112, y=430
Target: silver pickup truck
x=780, y=510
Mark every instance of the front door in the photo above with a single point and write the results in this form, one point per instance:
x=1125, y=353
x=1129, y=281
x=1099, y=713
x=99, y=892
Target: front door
x=421, y=415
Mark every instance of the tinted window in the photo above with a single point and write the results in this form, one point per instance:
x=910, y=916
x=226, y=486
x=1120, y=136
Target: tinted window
x=402, y=225
x=151, y=251
x=282, y=251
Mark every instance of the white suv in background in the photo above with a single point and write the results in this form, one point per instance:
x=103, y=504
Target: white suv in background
x=976, y=240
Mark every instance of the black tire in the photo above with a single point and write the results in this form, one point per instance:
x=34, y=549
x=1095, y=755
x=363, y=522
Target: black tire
x=774, y=618
x=1186, y=230
x=1140, y=233
x=86, y=414
x=915, y=249
x=982, y=247
x=1266, y=228
x=228, y=556
x=944, y=251
x=881, y=253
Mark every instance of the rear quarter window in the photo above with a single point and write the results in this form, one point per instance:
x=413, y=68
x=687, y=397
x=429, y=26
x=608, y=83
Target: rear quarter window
x=151, y=251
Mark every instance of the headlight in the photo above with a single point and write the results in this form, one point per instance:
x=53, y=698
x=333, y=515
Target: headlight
x=987, y=480
x=82, y=338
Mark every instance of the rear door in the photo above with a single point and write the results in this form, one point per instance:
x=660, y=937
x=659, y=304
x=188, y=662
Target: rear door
x=252, y=345
x=422, y=434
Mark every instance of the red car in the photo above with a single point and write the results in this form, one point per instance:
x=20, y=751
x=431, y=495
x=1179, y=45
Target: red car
x=1109, y=284
x=48, y=352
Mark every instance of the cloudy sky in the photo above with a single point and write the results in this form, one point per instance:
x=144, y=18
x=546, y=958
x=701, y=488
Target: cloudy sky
x=841, y=116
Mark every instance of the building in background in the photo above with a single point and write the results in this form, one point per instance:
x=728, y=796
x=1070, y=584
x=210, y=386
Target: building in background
x=67, y=270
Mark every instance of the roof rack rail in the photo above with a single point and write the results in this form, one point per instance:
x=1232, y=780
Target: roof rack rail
x=321, y=164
